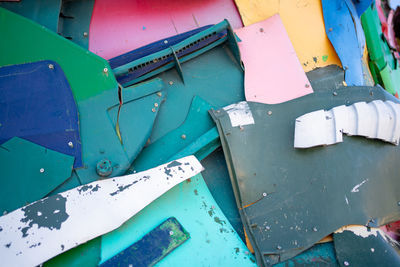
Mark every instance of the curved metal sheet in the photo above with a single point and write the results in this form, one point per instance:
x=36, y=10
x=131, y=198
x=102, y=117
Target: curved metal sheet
x=284, y=193
x=343, y=28
x=36, y=104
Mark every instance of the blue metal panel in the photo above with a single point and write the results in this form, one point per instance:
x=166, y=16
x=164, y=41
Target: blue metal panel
x=361, y=5
x=36, y=104
x=343, y=27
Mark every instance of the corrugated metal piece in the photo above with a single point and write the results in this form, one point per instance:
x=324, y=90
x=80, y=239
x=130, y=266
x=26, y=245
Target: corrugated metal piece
x=377, y=119
x=48, y=227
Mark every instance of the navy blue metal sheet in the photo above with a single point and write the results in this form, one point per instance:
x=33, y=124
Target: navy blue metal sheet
x=36, y=104
x=343, y=27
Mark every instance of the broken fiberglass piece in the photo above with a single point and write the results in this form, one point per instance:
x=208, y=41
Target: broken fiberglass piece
x=376, y=119
x=357, y=245
x=48, y=227
x=269, y=59
x=153, y=247
x=36, y=104
x=344, y=30
x=115, y=26
x=43, y=170
x=283, y=204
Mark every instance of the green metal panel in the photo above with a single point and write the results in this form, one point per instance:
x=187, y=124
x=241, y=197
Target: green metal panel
x=29, y=172
x=95, y=91
x=283, y=193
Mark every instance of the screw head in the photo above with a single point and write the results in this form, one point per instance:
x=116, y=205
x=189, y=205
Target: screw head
x=70, y=144
x=183, y=136
x=334, y=93
x=153, y=109
x=315, y=229
x=278, y=247
x=269, y=112
x=346, y=263
x=171, y=82
x=85, y=34
x=105, y=70
x=156, y=104
x=264, y=194
x=372, y=250
x=51, y=66
x=159, y=94
x=171, y=232
x=165, y=41
x=104, y=168
x=41, y=170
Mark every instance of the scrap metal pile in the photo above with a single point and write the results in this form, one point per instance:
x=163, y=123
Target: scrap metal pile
x=199, y=133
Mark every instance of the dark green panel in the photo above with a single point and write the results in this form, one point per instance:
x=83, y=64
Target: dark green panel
x=293, y=193
x=375, y=249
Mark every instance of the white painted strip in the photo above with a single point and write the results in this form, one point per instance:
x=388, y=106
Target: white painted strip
x=48, y=227
x=239, y=114
x=377, y=119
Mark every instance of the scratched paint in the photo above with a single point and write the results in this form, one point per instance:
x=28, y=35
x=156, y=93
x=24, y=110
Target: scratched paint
x=46, y=228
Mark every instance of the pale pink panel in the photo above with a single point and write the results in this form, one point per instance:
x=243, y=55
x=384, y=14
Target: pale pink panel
x=120, y=26
x=273, y=73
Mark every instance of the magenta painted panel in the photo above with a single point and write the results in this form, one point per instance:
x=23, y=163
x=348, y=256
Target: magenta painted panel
x=120, y=26
x=273, y=73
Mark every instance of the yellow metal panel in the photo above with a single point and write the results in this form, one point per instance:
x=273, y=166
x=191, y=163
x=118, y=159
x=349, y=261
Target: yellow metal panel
x=304, y=24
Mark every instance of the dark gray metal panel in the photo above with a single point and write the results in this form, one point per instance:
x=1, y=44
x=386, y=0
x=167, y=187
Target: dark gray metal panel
x=292, y=198
x=376, y=249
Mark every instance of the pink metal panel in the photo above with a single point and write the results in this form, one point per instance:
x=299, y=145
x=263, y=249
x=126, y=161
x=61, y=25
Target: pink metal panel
x=273, y=73
x=120, y=26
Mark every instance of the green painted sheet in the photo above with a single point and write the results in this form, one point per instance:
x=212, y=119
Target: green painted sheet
x=284, y=193
x=29, y=172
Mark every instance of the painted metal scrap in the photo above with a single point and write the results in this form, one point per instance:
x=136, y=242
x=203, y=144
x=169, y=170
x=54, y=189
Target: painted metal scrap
x=48, y=227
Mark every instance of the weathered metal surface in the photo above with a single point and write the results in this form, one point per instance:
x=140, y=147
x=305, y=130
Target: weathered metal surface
x=376, y=119
x=213, y=241
x=304, y=24
x=269, y=58
x=284, y=193
x=153, y=247
x=29, y=172
x=74, y=22
x=36, y=104
x=343, y=28
x=358, y=245
x=46, y=228
x=44, y=12
x=115, y=26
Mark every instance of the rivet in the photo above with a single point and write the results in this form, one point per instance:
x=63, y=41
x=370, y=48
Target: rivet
x=159, y=94
x=334, y=93
x=269, y=112
x=241, y=128
x=261, y=30
x=346, y=263
x=171, y=232
x=372, y=250
x=166, y=42
x=315, y=229
x=279, y=247
x=156, y=104
x=41, y=170
x=153, y=109
x=330, y=29
x=307, y=85
x=264, y=194
x=70, y=144
x=51, y=66
x=85, y=34
x=105, y=70
x=171, y=82
x=183, y=136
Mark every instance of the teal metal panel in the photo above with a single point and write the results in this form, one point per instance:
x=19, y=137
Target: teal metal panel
x=29, y=172
x=213, y=242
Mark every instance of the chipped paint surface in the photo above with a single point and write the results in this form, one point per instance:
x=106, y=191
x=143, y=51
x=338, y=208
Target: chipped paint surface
x=46, y=228
x=239, y=114
x=361, y=230
x=356, y=188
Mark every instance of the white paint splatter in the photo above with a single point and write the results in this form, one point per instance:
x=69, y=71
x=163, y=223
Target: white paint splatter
x=347, y=201
x=356, y=188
